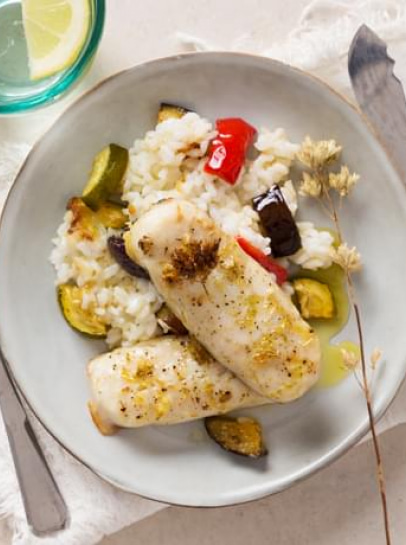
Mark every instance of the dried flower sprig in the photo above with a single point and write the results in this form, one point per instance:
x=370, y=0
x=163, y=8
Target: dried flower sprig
x=318, y=157
x=315, y=155
x=350, y=360
x=376, y=357
x=349, y=259
x=343, y=181
x=320, y=183
x=310, y=186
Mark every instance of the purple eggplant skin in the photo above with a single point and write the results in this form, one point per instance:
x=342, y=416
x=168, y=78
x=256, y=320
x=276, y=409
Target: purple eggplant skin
x=277, y=222
x=117, y=250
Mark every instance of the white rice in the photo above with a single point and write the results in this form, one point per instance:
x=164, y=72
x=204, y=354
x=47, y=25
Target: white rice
x=317, y=247
x=168, y=162
x=124, y=303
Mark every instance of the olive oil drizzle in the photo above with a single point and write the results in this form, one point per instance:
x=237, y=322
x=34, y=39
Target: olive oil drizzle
x=333, y=368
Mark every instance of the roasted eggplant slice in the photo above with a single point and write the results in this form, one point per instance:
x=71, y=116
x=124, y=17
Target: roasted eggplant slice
x=83, y=320
x=238, y=435
x=170, y=111
x=107, y=175
x=314, y=299
x=277, y=222
x=168, y=321
x=117, y=249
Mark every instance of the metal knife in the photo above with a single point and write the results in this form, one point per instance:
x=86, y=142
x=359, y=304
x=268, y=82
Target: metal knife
x=45, y=508
x=379, y=93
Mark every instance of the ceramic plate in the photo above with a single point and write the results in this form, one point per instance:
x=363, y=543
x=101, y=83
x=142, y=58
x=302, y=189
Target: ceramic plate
x=178, y=464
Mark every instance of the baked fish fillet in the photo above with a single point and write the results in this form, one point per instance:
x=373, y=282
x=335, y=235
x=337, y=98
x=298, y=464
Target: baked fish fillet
x=166, y=380
x=226, y=300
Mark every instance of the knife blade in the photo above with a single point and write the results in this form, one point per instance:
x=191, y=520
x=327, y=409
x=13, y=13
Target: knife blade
x=379, y=93
x=45, y=508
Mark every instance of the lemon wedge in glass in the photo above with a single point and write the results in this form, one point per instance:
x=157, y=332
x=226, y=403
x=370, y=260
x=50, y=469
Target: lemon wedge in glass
x=55, y=32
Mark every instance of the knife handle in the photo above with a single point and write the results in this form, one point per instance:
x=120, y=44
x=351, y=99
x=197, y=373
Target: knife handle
x=45, y=508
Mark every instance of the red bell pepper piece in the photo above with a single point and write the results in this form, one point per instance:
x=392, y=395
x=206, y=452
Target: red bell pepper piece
x=267, y=262
x=229, y=148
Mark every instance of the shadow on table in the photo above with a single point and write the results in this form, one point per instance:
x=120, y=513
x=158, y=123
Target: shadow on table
x=338, y=506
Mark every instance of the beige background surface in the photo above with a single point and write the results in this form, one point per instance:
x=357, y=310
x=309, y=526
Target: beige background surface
x=339, y=506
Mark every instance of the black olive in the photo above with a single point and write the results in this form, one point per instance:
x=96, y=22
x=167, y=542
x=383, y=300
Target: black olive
x=117, y=250
x=277, y=222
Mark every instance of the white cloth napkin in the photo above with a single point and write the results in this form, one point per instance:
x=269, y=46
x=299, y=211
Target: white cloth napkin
x=96, y=508
x=318, y=44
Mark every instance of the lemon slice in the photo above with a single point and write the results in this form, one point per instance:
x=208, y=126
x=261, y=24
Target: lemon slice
x=55, y=32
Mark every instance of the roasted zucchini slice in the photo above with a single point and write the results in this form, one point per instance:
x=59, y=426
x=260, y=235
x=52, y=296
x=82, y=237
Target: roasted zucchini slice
x=107, y=175
x=83, y=222
x=314, y=299
x=111, y=215
x=168, y=321
x=238, y=435
x=170, y=111
x=85, y=321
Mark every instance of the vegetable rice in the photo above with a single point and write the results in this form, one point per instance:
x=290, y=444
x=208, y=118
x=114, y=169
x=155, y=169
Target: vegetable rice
x=168, y=163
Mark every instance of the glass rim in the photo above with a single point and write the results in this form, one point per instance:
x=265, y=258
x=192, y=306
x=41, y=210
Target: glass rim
x=71, y=74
